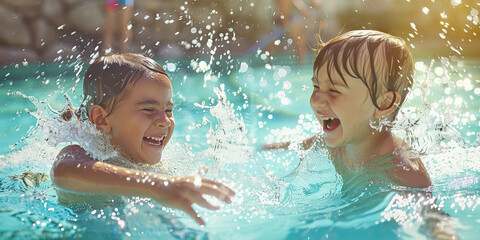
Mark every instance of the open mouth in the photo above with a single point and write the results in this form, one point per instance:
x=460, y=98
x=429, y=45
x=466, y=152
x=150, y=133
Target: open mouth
x=154, y=141
x=331, y=124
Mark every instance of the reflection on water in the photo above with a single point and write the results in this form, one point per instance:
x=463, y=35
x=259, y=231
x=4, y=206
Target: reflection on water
x=274, y=190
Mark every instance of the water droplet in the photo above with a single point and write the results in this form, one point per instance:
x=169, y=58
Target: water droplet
x=420, y=66
x=263, y=82
x=474, y=12
x=171, y=67
x=413, y=26
x=417, y=92
x=243, y=67
x=202, y=66
x=438, y=71
x=456, y=2
x=477, y=92
x=285, y=101
x=425, y=10
x=443, y=15
x=197, y=182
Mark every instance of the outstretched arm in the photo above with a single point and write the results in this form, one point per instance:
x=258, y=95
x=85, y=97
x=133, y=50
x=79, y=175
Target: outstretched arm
x=75, y=171
x=437, y=224
x=306, y=144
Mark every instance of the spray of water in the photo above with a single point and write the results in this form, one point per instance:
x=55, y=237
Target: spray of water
x=228, y=143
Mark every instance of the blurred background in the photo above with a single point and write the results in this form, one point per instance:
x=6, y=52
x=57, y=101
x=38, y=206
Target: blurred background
x=62, y=30
x=261, y=53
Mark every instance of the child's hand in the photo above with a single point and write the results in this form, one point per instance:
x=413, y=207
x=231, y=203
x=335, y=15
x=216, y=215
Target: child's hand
x=182, y=192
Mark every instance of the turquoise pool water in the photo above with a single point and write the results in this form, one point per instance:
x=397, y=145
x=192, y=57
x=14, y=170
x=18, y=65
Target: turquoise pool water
x=270, y=99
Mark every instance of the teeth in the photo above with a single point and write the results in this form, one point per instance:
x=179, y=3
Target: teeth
x=155, y=139
x=327, y=118
x=154, y=144
x=328, y=123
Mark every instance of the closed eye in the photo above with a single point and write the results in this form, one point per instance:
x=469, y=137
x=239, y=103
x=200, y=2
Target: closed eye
x=335, y=91
x=147, y=109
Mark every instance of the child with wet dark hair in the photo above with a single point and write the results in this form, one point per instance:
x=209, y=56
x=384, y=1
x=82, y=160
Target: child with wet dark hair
x=129, y=97
x=360, y=80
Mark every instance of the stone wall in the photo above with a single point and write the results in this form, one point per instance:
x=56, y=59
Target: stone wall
x=60, y=30
x=55, y=30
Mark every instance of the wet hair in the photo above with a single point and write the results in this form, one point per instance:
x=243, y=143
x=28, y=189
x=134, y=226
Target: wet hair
x=381, y=61
x=108, y=79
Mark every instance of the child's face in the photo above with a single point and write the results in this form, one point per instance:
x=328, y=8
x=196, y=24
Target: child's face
x=142, y=122
x=350, y=107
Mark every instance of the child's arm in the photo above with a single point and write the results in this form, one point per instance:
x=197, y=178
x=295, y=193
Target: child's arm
x=437, y=224
x=306, y=144
x=75, y=171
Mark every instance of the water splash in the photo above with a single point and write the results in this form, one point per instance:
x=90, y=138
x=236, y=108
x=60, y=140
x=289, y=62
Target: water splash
x=235, y=163
x=52, y=129
x=426, y=130
x=228, y=142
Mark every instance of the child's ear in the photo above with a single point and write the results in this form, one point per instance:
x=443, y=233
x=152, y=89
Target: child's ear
x=385, y=104
x=98, y=117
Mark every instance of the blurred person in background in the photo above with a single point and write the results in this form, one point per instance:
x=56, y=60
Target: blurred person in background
x=292, y=14
x=123, y=9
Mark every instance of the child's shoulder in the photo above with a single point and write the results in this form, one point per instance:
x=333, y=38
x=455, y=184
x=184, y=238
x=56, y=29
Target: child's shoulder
x=409, y=169
x=71, y=151
x=72, y=154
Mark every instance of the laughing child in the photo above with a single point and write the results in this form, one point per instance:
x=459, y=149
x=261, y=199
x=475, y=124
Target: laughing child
x=360, y=80
x=129, y=97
